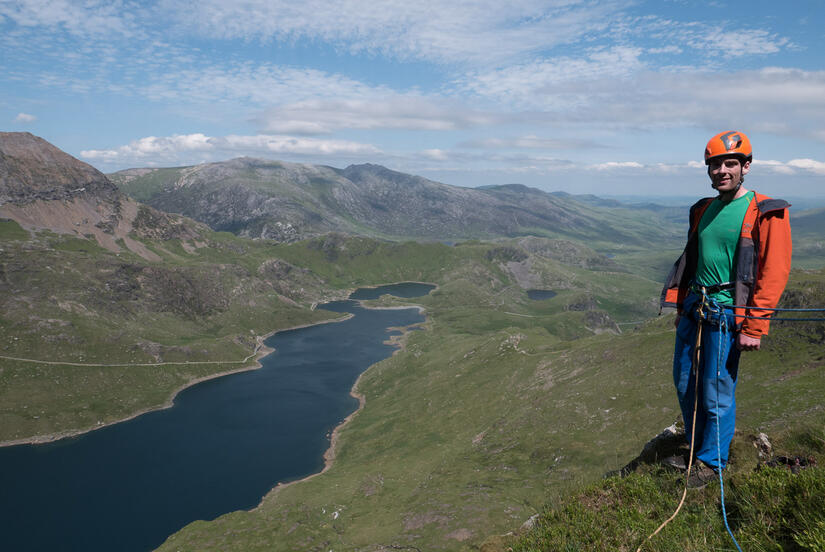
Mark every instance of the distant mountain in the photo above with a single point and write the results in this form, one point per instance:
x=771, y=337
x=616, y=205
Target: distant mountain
x=288, y=201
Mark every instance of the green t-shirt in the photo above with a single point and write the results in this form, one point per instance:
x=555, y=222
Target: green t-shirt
x=719, y=232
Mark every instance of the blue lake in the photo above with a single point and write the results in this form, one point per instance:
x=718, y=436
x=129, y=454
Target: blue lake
x=223, y=445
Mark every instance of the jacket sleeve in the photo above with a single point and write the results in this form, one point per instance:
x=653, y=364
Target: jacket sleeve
x=775, y=249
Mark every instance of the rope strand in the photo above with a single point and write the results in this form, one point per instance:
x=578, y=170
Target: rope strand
x=723, y=329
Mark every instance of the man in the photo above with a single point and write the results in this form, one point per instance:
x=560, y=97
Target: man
x=737, y=257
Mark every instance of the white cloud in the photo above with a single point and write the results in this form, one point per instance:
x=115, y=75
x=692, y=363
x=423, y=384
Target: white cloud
x=308, y=101
x=794, y=166
x=531, y=141
x=180, y=147
x=292, y=145
x=436, y=154
x=616, y=90
x=777, y=167
x=154, y=147
x=729, y=43
x=716, y=43
x=24, y=118
x=555, y=84
x=261, y=84
x=613, y=165
x=816, y=167
x=375, y=110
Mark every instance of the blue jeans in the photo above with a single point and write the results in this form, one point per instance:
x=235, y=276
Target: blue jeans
x=718, y=368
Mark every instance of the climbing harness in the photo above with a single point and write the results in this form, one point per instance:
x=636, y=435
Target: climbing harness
x=708, y=309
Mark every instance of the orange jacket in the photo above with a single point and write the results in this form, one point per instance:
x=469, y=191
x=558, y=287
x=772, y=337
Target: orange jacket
x=763, y=262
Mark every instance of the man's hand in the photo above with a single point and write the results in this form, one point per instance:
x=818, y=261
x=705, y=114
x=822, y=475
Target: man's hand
x=747, y=343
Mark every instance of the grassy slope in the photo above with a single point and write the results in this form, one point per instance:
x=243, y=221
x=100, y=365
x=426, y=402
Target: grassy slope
x=143, y=187
x=809, y=238
x=66, y=299
x=779, y=393
x=478, y=423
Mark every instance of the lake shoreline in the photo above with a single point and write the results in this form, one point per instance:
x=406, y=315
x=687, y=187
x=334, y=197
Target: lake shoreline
x=261, y=351
x=399, y=342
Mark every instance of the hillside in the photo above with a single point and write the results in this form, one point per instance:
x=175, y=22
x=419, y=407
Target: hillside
x=773, y=492
x=90, y=277
x=505, y=419
x=288, y=201
x=808, y=228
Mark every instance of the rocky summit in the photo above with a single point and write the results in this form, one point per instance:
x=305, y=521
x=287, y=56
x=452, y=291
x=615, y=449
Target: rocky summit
x=32, y=169
x=42, y=187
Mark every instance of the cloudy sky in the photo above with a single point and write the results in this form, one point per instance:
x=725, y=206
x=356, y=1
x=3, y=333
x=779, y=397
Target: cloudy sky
x=607, y=97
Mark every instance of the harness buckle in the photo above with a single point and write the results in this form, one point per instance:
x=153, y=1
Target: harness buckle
x=710, y=290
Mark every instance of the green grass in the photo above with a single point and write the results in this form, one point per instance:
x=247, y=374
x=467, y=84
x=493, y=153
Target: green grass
x=10, y=230
x=144, y=187
x=768, y=508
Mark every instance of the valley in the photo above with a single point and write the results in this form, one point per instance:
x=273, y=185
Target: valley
x=500, y=406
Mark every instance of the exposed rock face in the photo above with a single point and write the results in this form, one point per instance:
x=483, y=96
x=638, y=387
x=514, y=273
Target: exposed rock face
x=289, y=201
x=42, y=187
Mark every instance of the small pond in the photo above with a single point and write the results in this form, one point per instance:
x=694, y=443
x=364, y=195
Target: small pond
x=540, y=294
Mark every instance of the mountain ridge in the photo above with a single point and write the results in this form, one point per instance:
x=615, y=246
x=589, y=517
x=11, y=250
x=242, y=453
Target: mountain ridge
x=260, y=198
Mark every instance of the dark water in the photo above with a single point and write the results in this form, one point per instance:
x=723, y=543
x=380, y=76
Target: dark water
x=405, y=290
x=540, y=294
x=224, y=444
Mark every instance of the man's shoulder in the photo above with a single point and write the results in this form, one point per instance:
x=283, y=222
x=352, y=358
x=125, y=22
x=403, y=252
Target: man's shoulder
x=701, y=203
x=766, y=204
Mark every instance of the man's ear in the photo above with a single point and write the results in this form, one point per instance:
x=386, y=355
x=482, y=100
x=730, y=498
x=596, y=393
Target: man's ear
x=746, y=166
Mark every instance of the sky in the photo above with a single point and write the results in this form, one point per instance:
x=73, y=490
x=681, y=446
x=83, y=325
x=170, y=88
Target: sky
x=609, y=97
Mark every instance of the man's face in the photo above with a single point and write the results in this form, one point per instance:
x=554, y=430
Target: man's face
x=725, y=174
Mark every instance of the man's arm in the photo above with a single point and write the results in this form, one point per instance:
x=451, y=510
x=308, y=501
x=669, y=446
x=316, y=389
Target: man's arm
x=775, y=250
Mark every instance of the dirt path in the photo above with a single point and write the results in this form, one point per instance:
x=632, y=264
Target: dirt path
x=258, y=346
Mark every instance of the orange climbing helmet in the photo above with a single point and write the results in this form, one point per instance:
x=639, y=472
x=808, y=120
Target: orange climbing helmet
x=730, y=143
